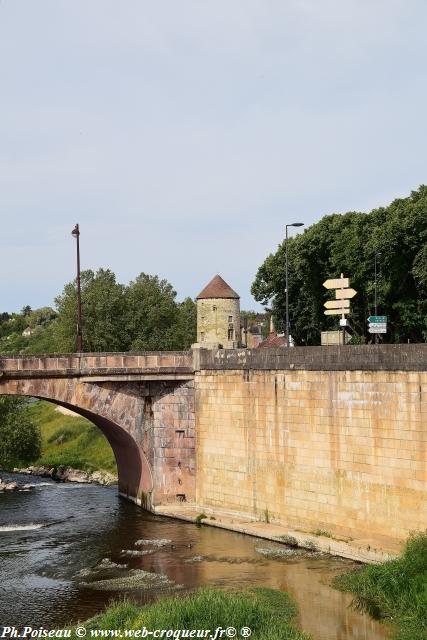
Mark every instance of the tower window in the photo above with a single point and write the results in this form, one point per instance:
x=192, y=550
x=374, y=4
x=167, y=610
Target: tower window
x=230, y=334
x=202, y=336
x=214, y=308
x=230, y=318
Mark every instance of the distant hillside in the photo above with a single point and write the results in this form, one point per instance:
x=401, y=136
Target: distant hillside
x=71, y=440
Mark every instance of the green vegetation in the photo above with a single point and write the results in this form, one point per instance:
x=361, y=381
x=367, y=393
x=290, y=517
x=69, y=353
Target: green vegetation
x=38, y=323
x=322, y=532
x=70, y=441
x=269, y=614
x=142, y=315
x=199, y=519
x=348, y=243
x=395, y=590
x=19, y=435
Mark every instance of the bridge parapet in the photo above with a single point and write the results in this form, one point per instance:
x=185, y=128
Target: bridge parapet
x=158, y=364
x=385, y=357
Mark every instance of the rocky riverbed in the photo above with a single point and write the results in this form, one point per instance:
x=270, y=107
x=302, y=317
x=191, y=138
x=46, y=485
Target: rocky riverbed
x=11, y=486
x=69, y=474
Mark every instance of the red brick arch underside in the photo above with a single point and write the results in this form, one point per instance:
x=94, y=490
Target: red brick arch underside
x=105, y=409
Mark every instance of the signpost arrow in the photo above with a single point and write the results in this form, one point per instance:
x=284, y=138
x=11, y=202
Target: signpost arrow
x=336, y=312
x=337, y=283
x=341, y=294
x=378, y=325
x=376, y=319
x=375, y=329
x=337, y=304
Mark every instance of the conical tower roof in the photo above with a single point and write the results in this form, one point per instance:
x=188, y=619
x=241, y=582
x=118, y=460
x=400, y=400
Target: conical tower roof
x=217, y=288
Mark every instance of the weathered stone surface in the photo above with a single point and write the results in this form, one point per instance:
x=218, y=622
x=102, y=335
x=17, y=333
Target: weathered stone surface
x=386, y=357
x=215, y=317
x=162, y=364
x=341, y=451
x=131, y=415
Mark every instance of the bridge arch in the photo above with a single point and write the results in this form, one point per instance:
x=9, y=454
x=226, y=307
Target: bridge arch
x=135, y=477
x=144, y=403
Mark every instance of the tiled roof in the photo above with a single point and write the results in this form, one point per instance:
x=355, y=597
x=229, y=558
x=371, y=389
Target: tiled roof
x=217, y=288
x=272, y=340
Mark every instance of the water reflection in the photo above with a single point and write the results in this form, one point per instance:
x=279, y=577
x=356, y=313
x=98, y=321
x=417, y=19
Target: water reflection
x=45, y=578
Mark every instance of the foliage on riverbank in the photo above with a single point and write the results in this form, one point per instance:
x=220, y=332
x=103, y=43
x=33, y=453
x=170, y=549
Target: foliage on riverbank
x=70, y=440
x=269, y=614
x=19, y=434
x=395, y=590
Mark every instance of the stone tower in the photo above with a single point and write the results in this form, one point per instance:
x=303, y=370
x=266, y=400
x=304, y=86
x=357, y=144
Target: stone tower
x=218, y=316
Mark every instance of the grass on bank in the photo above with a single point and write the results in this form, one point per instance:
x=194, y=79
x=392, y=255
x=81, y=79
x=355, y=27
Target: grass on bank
x=395, y=590
x=70, y=441
x=270, y=614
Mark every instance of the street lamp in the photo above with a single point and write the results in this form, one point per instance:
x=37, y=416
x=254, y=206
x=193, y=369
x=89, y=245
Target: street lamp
x=76, y=234
x=294, y=224
x=377, y=256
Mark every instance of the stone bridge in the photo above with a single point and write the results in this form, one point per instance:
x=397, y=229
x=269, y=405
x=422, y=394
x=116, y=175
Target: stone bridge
x=318, y=438
x=143, y=403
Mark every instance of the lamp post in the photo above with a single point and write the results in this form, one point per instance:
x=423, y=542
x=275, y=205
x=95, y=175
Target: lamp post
x=76, y=234
x=377, y=256
x=294, y=224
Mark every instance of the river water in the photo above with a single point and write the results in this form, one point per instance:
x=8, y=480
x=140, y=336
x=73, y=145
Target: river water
x=66, y=550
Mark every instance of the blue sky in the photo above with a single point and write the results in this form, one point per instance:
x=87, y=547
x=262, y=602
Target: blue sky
x=183, y=136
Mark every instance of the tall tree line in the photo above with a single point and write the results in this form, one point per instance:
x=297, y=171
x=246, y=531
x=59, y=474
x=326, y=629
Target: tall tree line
x=143, y=315
x=348, y=244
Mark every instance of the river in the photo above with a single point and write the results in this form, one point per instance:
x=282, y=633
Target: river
x=66, y=550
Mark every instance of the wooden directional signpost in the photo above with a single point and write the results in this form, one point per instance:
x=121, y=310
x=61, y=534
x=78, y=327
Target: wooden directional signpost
x=341, y=305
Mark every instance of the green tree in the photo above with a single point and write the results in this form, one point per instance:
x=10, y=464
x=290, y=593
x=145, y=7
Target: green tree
x=41, y=341
x=103, y=310
x=141, y=316
x=19, y=437
x=185, y=327
x=152, y=314
x=348, y=244
x=42, y=317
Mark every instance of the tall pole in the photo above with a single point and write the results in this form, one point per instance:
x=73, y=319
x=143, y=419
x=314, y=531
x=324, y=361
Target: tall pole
x=79, y=341
x=293, y=224
x=377, y=255
x=286, y=290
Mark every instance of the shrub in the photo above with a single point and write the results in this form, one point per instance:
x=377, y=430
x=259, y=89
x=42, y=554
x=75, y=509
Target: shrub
x=19, y=437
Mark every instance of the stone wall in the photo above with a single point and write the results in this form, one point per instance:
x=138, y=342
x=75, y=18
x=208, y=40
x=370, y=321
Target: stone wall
x=169, y=421
x=385, y=357
x=339, y=450
x=213, y=321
